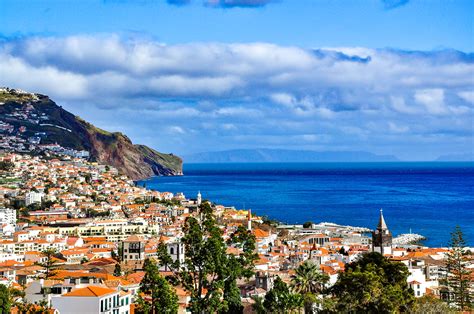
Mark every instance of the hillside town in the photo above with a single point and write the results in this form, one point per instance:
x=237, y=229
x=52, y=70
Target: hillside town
x=75, y=236
x=25, y=128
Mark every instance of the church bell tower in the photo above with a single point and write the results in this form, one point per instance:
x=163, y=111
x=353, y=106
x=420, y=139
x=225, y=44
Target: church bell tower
x=382, y=237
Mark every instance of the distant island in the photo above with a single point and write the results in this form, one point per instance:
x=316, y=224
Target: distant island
x=456, y=157
x=285, y=155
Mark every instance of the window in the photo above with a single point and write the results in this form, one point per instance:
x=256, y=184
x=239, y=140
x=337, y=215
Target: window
x=171, y=251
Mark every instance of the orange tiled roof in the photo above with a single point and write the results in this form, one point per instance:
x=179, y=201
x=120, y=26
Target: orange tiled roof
x=90, y=291
x=259, y=233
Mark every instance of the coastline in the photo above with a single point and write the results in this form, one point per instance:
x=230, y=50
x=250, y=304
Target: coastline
x=431, y=198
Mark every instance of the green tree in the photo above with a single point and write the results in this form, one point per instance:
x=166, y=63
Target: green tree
x=430, y=305
x=50, y=262
x=42, y=307
x=307, y=224
x=456, y=285
x=258, y=305
x=208, y=273
x=6, y=165
x=160, y=296
x=309, y=281
x=373, y=284
x=164, y=258
x=16, y=297
x=281, y=300
x=5, y=301
x=117, y=270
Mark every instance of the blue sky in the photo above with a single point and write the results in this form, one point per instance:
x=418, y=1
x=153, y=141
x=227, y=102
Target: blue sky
x=390, y=77
x=413, y=25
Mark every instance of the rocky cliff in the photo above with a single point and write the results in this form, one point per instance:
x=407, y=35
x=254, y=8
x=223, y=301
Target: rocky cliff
x=38, y=114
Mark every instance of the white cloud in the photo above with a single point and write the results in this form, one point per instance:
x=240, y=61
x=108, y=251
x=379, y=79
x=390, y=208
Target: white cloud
x=280, y=94
x=47, y=79
x=112, y=65
x=467, y=95
x=398, y=128
x=283, y=99
x=399, y=104
x=176, y=130
x=432, y=99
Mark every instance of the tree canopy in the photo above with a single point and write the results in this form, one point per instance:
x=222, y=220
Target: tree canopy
x=158, y=295
x=5, y=301
x=456, y=285
x=50, y=262
x=209, y=273
x=309, y=281
x=281, y=300
x=373, y=284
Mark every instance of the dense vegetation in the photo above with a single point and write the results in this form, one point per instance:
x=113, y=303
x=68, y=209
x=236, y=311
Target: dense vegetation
x=6, y=165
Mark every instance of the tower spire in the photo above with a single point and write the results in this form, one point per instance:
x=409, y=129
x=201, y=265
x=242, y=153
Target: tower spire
x=382, y=225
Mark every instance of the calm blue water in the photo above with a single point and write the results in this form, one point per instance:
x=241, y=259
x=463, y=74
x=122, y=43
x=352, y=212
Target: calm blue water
x=429, y=198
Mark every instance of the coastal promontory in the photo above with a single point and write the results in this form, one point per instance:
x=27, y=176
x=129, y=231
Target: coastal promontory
x=37, y=120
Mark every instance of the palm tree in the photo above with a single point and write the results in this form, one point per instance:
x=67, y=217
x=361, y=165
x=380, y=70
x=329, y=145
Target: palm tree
x=309, y=281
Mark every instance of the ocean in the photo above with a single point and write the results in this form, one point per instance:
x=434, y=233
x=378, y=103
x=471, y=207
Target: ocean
x=426, y=198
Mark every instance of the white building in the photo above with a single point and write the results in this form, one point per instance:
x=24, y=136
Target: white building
x=33, y=197
x=176, y=251
x=7, y=216
x=92, y=299
x=422, y=277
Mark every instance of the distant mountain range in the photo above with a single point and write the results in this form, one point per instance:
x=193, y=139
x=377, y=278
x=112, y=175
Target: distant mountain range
x=284, y=155
x=31, y=114
x=456, y=157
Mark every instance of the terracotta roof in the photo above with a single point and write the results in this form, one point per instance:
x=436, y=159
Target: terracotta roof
x=133, y=238
x=259, y=233
x=136, y=277
x=90, y=291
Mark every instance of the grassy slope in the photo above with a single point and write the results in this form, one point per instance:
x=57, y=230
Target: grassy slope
x=167, y=160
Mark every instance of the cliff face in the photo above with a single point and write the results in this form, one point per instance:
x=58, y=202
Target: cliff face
x=68, y=130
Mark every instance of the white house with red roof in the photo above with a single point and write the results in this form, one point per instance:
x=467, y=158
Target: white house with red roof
x=92, y=299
